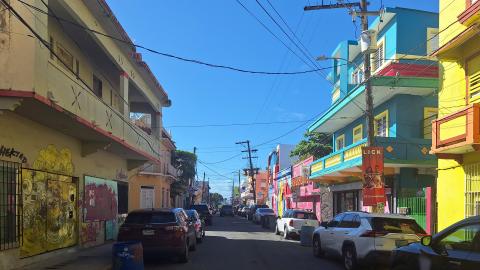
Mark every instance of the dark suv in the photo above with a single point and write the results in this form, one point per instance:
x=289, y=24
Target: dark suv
x=204, y=212
x=226, y=210
x=161, y=231
x=456, y=247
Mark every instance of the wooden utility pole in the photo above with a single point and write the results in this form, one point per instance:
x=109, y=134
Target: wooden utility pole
x=363, y=14
x=251, y=171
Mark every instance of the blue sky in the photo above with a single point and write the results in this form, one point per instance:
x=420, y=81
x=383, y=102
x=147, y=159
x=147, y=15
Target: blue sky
x=222, y=32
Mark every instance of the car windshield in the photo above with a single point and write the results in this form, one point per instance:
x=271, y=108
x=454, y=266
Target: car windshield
x=304, y=215
x=148, y=218
x=396, y=225
x=266, y=210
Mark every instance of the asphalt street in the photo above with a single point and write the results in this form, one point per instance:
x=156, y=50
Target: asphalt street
x=233, y=243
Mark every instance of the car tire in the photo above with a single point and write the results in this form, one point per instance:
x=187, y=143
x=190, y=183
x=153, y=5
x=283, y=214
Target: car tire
x=184, y=257
x=286, y=234
x=317, y=247
x=193, y=247
x=277, y=231
x=349, y=258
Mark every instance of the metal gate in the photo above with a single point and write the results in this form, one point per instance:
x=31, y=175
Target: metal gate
x=416, y=207
x=472, y=190
x=10, y=204
x=50, y=213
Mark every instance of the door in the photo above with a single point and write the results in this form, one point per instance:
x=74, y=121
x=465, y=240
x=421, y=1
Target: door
x=147, y=197
x=453, y=250
x=341, y=232
x=327, y=236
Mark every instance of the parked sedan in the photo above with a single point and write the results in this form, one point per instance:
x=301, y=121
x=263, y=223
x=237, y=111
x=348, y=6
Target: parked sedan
x=252, y=209
x=261, y=214
x=161, y=231
x=226, y=210
x=456, y=247
x=198, y=223
x=292, y=221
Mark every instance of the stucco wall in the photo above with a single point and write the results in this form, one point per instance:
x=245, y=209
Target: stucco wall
x=157, y=182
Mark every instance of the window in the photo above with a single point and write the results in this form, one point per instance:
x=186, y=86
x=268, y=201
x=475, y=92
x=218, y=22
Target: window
x=64, y=56
x=396, y=225
x=358, y=76
x=429, y=114
x=357, y=133
x=473, y=76
x=10, y=205
x=52, y=48
x=472, y=190
x=97, y=86
x=340, y=142
x=77, y=68
x=347, y=221
x=378, y=56
x=432, y=40
x=336, y=220
x=466, y=238
x=381, y=124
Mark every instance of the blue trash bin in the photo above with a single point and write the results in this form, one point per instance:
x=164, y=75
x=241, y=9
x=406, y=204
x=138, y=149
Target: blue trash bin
x=127, y=255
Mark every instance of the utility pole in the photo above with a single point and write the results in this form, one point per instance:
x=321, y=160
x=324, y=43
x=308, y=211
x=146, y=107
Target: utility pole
x=252, y=171
x=363, y=14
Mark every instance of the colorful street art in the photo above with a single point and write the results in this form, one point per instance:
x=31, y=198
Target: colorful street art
x=101, y=199
x=49, y=203
x=91, y=232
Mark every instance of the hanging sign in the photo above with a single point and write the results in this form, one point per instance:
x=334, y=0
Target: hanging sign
x=373, y=183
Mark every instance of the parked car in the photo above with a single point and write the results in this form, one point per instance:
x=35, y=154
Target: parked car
x=292, y=221
x=204, y=212
x=365, y=237
x=198, y=223
x=161, y=231
x=261, y=213
x=241, y=211
x=251, y=210
x=226, y=210
x=456, y=247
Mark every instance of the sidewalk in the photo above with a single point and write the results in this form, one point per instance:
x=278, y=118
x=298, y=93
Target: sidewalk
x=96, y=258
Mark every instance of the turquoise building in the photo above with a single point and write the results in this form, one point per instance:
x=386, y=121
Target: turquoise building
x=404, y=85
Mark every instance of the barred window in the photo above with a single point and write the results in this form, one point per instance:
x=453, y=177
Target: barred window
x=472, y=190
x=10, y=205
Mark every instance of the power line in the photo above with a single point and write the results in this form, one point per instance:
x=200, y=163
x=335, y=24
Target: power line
x=172, y=56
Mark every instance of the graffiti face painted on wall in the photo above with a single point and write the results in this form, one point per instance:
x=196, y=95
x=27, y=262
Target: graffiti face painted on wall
x=49, y=203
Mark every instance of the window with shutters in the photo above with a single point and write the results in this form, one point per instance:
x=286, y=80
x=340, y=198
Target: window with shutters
x=432, y=40
x=473, y=77
x=64, y=56
x=378, y=56
x=357, y=133
x=381, y=124
x=340, y=142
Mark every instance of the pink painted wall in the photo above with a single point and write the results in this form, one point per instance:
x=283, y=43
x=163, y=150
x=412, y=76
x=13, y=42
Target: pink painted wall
x=306, y=190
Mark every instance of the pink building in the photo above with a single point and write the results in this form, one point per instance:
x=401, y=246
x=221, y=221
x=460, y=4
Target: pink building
x=304, y=194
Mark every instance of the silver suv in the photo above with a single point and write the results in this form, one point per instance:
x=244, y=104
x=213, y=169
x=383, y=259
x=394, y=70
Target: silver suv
x=364, y=237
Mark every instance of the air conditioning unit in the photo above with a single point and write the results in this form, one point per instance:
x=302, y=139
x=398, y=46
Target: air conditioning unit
x=305, y=171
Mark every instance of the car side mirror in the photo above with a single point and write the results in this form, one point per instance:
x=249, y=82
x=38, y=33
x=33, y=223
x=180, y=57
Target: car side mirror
x=426, y=240
x=324, y=224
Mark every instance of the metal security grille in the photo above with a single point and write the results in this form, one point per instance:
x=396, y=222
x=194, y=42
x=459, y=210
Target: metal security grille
x=472, y=190
x=10, y=204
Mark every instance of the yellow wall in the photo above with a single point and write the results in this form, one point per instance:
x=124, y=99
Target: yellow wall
x=158, y=182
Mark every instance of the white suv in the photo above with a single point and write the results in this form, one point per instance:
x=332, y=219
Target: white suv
x=365, y=237
x=292, y=221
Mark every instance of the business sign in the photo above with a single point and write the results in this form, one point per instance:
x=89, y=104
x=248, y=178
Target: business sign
x=373, y=183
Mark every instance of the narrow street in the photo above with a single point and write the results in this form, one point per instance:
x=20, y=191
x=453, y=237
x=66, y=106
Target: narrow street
x=234, y=243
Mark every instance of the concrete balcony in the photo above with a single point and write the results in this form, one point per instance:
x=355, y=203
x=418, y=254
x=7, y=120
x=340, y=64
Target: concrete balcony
x=345, y=164
x=66, y=105
x=457, y=133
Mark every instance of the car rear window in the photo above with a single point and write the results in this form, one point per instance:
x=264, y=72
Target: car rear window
x=146, y=218
x=396, y=225
x=303, y=215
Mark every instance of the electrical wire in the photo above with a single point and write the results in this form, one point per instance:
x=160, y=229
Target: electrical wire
x=172, y=56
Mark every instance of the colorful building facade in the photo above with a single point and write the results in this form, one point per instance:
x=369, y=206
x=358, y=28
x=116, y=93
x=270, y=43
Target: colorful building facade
x=305, y=194
x=68, y=146
x=404, y=85
x=456, y=131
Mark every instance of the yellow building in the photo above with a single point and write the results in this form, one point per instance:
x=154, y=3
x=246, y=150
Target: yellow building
x=67, y=144
x=456, y=131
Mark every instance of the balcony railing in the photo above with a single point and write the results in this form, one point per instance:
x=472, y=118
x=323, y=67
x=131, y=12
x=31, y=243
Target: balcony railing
x=163, y=169
x=69, y=93
x=350, y=152
x=457, y=133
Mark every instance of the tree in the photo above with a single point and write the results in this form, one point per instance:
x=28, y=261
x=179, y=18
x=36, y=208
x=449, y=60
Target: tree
x=314, y=144
x=216, y=199
x=185, y=162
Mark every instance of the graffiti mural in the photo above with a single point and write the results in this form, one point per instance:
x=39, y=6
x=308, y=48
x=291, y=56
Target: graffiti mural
x=91, y=232
x=49, y=203
x=100, y=199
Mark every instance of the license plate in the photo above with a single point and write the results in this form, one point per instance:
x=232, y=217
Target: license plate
x=148, y=232
x=401, y=243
